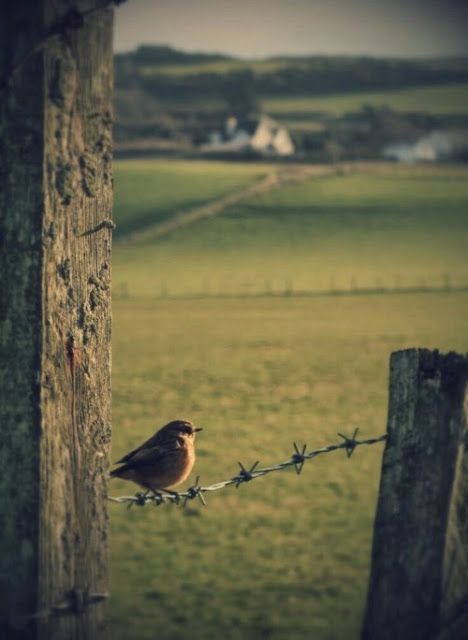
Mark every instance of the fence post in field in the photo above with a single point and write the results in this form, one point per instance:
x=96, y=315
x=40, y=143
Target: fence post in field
x=55, y=246
x=418, y=586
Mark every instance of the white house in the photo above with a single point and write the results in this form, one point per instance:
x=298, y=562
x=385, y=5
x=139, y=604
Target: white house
x=262, y=135
x=437, y=146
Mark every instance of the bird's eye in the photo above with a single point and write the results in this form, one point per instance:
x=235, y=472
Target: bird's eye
x=188, y=430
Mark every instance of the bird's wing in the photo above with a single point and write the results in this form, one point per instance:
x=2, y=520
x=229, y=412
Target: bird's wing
x=148, y=444
x=147, y=456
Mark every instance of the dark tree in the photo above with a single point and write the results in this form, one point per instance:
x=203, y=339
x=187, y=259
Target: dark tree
x=240, y=94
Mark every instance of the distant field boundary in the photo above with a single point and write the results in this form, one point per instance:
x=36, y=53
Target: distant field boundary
x=124, y=293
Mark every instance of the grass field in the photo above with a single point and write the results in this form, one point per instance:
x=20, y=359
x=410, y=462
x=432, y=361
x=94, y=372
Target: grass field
x=150, y=191
x=391, y=228
x=298, y=111
x=286, y=557
x=217, y=67
x=436, y=99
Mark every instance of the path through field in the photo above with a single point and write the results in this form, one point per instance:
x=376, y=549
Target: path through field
x=280, y=176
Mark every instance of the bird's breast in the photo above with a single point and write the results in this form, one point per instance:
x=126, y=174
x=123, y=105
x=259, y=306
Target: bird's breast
x=174, y=469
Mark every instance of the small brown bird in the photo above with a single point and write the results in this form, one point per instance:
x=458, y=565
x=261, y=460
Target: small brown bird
x=163, y=461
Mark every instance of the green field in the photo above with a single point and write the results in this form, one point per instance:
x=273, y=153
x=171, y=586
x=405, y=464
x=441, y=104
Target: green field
x=298, y=111
x=147, y=192
x=436, y=99
x=389, y=228
x=286, y=557
x=217, y=67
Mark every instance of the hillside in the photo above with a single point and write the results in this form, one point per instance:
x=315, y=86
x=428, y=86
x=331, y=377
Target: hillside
x=168, y=101
x=168, y=73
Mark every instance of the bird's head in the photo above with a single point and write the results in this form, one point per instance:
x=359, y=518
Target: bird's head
x=181, y=430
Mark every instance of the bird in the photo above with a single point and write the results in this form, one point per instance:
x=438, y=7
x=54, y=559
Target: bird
x=163, y=461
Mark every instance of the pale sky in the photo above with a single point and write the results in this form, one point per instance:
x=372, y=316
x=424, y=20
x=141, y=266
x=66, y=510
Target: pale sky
x=260, y=28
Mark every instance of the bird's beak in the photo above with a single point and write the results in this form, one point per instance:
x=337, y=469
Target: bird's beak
x=198, y=429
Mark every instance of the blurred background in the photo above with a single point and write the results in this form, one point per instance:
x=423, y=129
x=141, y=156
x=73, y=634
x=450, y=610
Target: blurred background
x=291, y=200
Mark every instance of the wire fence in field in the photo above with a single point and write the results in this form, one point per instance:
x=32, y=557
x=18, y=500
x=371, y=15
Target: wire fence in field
x=245, y=474
x=288, y=288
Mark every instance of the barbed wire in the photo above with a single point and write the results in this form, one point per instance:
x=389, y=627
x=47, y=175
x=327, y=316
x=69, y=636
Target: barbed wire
x=72, y=20
x=75, y=601
x=297, y=460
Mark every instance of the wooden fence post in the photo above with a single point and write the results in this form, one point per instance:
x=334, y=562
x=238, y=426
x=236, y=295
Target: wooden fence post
x=55, y=244
x=419, y=575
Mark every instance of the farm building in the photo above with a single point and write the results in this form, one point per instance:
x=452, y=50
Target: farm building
x=262, y=135
x=437, y=146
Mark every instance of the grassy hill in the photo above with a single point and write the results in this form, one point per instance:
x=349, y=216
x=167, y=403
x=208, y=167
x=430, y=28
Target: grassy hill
x=169, y=100
x=172, y=71
x=286, y=556
x=433, y=99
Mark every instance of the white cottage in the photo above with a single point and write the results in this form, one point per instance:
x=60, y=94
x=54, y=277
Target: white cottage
x=437, y=146
x=270, y=137
x=262, y=135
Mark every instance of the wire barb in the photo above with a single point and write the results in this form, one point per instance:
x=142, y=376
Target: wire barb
x=74, y=602
x=350, y=443
x=297, y=460
x=140, y=499
x=104, y=224
x=194, y=492
x=245, y=475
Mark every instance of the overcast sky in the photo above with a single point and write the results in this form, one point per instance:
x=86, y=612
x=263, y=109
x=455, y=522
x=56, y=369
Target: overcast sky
x=258, y=28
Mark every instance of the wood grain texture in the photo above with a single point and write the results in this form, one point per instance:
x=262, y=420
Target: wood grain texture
x=419, y=576
x=56, y=183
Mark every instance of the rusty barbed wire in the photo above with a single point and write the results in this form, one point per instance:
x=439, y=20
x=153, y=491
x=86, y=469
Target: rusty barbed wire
x=74, y=602
x=72, y=20
x=245, y=474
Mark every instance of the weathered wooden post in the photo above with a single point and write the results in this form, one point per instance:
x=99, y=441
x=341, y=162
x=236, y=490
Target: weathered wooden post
x=419, y=575
x=55, y=244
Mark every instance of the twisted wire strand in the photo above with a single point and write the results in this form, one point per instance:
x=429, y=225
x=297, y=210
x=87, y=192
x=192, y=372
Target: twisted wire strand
x=246, y=474
x=71, y=21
